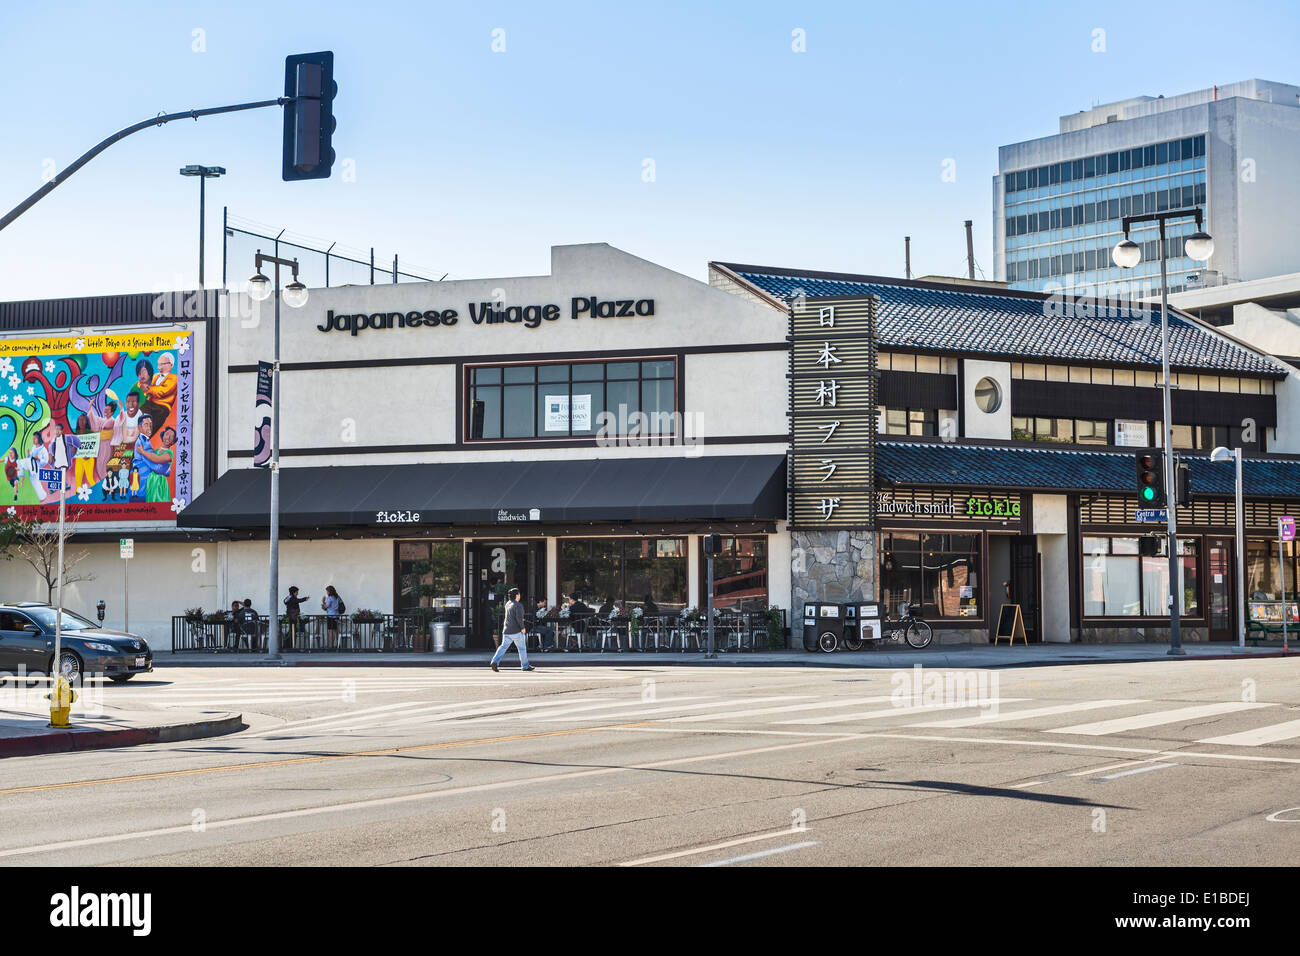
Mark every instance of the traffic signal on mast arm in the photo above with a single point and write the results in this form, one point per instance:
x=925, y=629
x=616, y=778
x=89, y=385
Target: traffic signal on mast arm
x=309, y=119
x=1151, y=479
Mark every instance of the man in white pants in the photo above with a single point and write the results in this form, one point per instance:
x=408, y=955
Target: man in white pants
x=512, y=632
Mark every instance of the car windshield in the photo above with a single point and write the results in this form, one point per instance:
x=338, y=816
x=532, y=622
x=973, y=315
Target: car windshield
x=44, y=616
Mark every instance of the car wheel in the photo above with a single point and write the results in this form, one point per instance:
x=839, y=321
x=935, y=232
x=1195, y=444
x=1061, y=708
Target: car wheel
x=70, y=667
x=121, y=679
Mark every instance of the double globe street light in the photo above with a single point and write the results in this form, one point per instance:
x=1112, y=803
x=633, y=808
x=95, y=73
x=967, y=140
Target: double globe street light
x=294, y=296
x=1126, y=255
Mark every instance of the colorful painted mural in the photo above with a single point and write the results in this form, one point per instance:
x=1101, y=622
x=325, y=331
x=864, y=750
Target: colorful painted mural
x=123, y=407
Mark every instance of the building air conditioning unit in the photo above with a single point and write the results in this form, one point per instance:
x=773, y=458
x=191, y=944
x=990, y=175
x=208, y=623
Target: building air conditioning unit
x=1204, y=279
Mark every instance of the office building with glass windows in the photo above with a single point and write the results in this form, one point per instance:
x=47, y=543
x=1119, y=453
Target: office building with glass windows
x=1059, y=201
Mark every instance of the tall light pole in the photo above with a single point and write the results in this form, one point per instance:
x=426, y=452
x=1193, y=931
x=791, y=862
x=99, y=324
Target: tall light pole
x=204, y=173
x=1126, y=255
x=295, y=296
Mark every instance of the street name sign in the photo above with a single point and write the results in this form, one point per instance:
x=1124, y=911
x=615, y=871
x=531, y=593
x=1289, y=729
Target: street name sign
x=1151, y=514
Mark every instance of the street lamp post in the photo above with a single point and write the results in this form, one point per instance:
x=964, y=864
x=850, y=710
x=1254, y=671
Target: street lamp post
x=1126, y=255
x=204, y=173
x=295, y=296
x=1234, y=455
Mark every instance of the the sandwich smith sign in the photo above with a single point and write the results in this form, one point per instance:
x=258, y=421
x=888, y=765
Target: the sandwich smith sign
x=489, y=313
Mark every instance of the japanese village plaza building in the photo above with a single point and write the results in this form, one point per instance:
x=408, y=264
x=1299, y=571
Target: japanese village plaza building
x=570, y=433
x=1003, y=452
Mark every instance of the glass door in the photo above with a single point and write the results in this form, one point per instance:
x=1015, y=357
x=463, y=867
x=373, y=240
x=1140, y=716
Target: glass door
x=501, y=567
x=1221, y=617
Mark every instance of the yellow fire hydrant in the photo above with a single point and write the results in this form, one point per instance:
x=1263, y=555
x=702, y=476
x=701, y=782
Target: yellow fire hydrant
x=61, y=699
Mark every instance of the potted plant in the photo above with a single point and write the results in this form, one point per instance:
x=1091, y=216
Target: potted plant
x=193, y=615
x=634, y=626
x=775, y=627
x=498, y=614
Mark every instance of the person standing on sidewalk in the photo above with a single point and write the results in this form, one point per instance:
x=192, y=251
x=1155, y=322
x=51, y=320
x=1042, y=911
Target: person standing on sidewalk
x=292, y=605
x=512, y=632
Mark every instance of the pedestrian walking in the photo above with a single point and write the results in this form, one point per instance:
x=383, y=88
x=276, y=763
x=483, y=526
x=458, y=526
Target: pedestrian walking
x=292, y=604
x=512, y=632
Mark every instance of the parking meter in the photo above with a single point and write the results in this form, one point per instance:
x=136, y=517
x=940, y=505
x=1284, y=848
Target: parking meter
x=99, y=609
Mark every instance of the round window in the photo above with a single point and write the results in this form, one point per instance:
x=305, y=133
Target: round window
x=988, y=396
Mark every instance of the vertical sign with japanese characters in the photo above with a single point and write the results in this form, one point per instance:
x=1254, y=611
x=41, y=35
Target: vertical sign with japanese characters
x=833, y=381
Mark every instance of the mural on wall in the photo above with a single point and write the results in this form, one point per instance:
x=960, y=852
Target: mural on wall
x=123, y=405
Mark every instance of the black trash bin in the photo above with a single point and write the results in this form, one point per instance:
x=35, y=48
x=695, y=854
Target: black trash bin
x=864, y=619
x=823, y=626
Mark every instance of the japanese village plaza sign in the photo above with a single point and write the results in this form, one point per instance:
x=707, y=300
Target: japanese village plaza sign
x=833, y=384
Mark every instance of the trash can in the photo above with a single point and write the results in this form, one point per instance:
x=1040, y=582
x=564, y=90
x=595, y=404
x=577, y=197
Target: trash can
x=440, y=637
x=823, y=626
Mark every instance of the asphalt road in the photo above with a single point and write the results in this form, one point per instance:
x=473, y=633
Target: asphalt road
x=1169, y=763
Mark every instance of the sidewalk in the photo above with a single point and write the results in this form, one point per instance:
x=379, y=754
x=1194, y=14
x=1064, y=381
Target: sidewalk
x=24, y=714
x=946, y=655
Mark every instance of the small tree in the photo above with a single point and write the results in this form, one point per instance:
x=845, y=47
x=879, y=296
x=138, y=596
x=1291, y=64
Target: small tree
x=37, y=543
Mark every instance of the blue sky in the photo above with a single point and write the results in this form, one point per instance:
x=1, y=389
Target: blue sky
x=473, y=163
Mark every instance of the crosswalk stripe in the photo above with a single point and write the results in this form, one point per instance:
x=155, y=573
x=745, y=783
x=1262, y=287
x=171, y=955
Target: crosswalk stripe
x=608, y=705
x=362, y=715
x=1027, y=714
x=897, y=711
x=1258, y=737
x=820, y=705
x=531, y=705
x=1156, y=719
x=650, y=712
x=416, y=712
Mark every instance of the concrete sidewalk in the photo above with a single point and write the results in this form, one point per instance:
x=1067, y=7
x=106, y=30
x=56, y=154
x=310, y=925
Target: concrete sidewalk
x=945, y=655
x=24, y=715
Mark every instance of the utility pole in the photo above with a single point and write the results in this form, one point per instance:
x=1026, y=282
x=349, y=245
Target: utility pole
x=907, y=256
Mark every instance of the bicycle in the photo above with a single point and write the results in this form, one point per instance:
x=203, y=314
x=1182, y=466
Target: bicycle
x=908, y=627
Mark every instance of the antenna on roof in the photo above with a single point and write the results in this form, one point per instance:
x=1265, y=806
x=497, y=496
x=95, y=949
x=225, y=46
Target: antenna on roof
x=970, y=251
x=907, y=256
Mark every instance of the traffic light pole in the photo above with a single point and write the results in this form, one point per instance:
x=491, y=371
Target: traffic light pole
x=1171, y=487
x=86, y=157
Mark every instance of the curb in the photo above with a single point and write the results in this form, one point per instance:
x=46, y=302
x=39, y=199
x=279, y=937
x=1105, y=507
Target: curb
x=68, y=741
x=809, y=659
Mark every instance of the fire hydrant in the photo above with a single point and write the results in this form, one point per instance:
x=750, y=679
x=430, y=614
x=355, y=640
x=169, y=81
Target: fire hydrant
x=61, y=698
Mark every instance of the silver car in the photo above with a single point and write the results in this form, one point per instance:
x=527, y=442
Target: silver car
x=27, y=645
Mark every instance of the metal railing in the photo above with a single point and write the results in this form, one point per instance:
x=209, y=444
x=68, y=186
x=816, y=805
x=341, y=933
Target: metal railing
x=306, y=634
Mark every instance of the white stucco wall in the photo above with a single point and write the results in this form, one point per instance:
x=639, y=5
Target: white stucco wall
x=1055, y=551
x=741, y=393
x=982, y=424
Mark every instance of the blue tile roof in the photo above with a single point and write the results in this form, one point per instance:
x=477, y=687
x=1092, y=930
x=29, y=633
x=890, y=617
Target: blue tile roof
x=1016, y=326
x=1001, y=466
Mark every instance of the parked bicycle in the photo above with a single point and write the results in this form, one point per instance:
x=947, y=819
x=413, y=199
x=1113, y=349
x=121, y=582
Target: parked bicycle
x=909, y=627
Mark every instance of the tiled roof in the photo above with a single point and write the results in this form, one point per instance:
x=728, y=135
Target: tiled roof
x=916, y=316
x=1001, y=466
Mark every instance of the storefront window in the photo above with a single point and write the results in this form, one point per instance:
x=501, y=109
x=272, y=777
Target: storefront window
x=1263, y=576
x=561, y=399
x=1118, y=582
x=635, y=572
x=937, y=572
x=740, y=573
x=429, y=575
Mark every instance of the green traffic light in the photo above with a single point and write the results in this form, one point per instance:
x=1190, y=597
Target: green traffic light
x=1149, y=494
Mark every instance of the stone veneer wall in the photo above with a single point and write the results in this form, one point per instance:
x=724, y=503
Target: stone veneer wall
x=834, y=566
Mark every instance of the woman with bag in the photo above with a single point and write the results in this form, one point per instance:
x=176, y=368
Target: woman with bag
x=333, y=606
